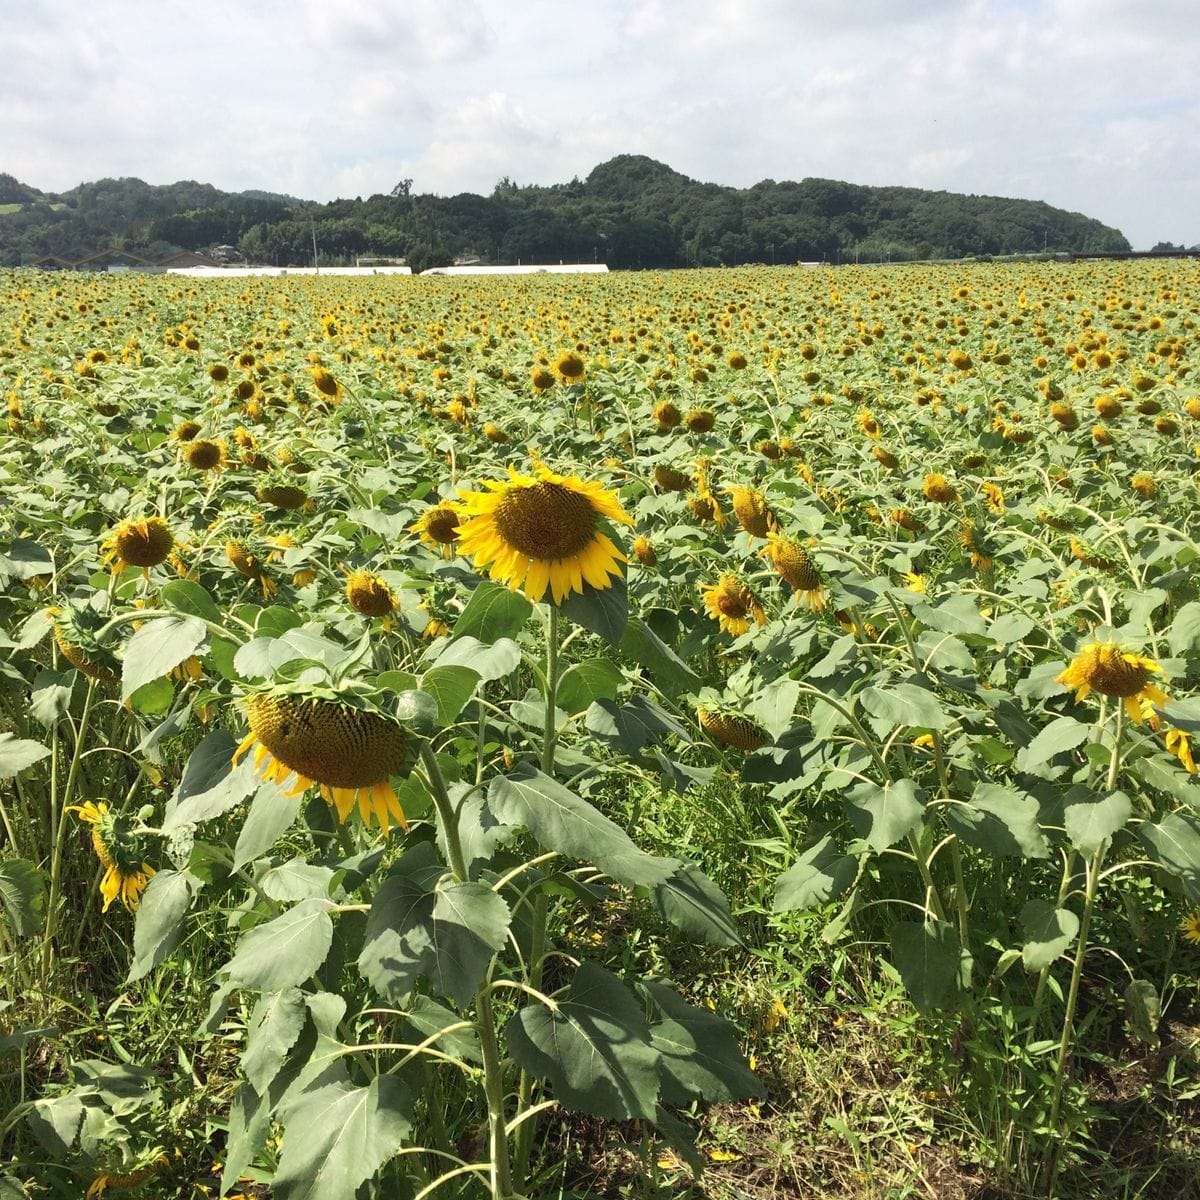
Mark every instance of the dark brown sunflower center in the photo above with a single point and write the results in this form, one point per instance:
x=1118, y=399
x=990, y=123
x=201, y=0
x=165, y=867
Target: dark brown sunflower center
x=732, y=604
x=1112, y=674
x=144, y=544
x=546, y=521
x=332, y=743
x=442, y=525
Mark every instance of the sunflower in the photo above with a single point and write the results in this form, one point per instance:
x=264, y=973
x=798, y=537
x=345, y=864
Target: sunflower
x=1177, y=744
x=1065, y=415
x=368, y=594
x=643, y=549
x=732, y=604
x=794, y=565
x=205, y=454
x=534, y=532
x=350, y=750
x=1109, y=670
x=250, y=565
x=79, y=647
x=868, y=424
x=495, y=434
x=938, y=489
x=282, y=495
x=1143, y=483
x=186, y=431
x=143, y=543
x=1190, y=926
x=731, y=728
x=700, y=420
x=751, y=510
x=325, y=383
x=885, y=458
x=119, y=850
x=568, y=366
x=542, y=379
x=671, y=480
x=666, y=415
x=438, y=529
x=993, y=496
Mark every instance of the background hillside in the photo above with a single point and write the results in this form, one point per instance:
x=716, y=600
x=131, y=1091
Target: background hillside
x=629, y=212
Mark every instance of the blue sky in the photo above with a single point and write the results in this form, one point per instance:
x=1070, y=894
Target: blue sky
x=1090, y=105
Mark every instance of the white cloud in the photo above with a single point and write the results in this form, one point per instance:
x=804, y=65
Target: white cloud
x=1087, y=104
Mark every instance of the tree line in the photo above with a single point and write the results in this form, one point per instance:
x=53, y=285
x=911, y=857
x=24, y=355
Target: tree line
x=630, y=212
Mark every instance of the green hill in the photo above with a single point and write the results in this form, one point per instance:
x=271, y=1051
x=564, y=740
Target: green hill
x=629, y=212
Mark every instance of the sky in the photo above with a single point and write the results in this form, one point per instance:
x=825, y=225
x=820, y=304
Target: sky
x=1090, y=105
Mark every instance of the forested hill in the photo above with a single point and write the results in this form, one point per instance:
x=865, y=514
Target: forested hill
x=629, y=212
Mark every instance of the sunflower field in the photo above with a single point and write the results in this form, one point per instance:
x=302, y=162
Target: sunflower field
x=708, y=734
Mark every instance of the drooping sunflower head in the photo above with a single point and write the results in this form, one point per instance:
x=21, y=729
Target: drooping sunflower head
x=144, y=543
x=495, y=434
x=1143, y=484
x=542, y=378
x=368, y=594
x=750, y=508
x=671, y=480
x=666, y=415
x=1105, y=668
x=700, y=420
x=569, y=367
x=250, y=565
x=325, y=383
x=186, y=431
x=74, y=635
x=542, y=531
x=885, y=457
x=794, y=564
x=120, y=850
x=346, y=745
x=732, y=604
x=437, y=527
x=938, y=489
x=205, y=454
x=282, y=494
x=644, y=551
x=731, y=728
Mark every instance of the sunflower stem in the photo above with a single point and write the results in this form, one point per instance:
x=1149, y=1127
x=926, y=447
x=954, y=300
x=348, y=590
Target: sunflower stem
x=446, y=813
x=60, y=807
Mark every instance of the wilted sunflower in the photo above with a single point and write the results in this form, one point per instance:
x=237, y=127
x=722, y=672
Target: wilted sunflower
x=205, y=454
x=671, y=480
x=119, y=850
x=325, y=383
x=700, y=420
x=732, y=604
x=938, y=489
x=495, y=434
x=568, y=366
x=142, y=543
x=666, y=415
x=282, y=494
x=351, y=751
x=1177, y=743
x=250, y=565
x=542, y=378
x=1143, y=483
x=731, y=728
x=885, y=457
x=79, y=647
x=868, y=424
x=993, y=496
x=534, y=532
x=368, y=594
x=750, y=508
x=644, y=551
x=1109, y=670
x=438, y=529
x=795, y=566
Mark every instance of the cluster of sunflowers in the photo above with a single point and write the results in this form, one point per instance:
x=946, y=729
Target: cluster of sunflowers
x=770, y=442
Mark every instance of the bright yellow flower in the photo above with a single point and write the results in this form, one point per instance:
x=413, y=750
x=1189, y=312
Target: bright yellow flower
x=541, y=532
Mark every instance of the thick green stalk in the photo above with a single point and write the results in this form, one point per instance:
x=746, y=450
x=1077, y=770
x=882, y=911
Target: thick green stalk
x=60, y=817
x=485, y=1020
